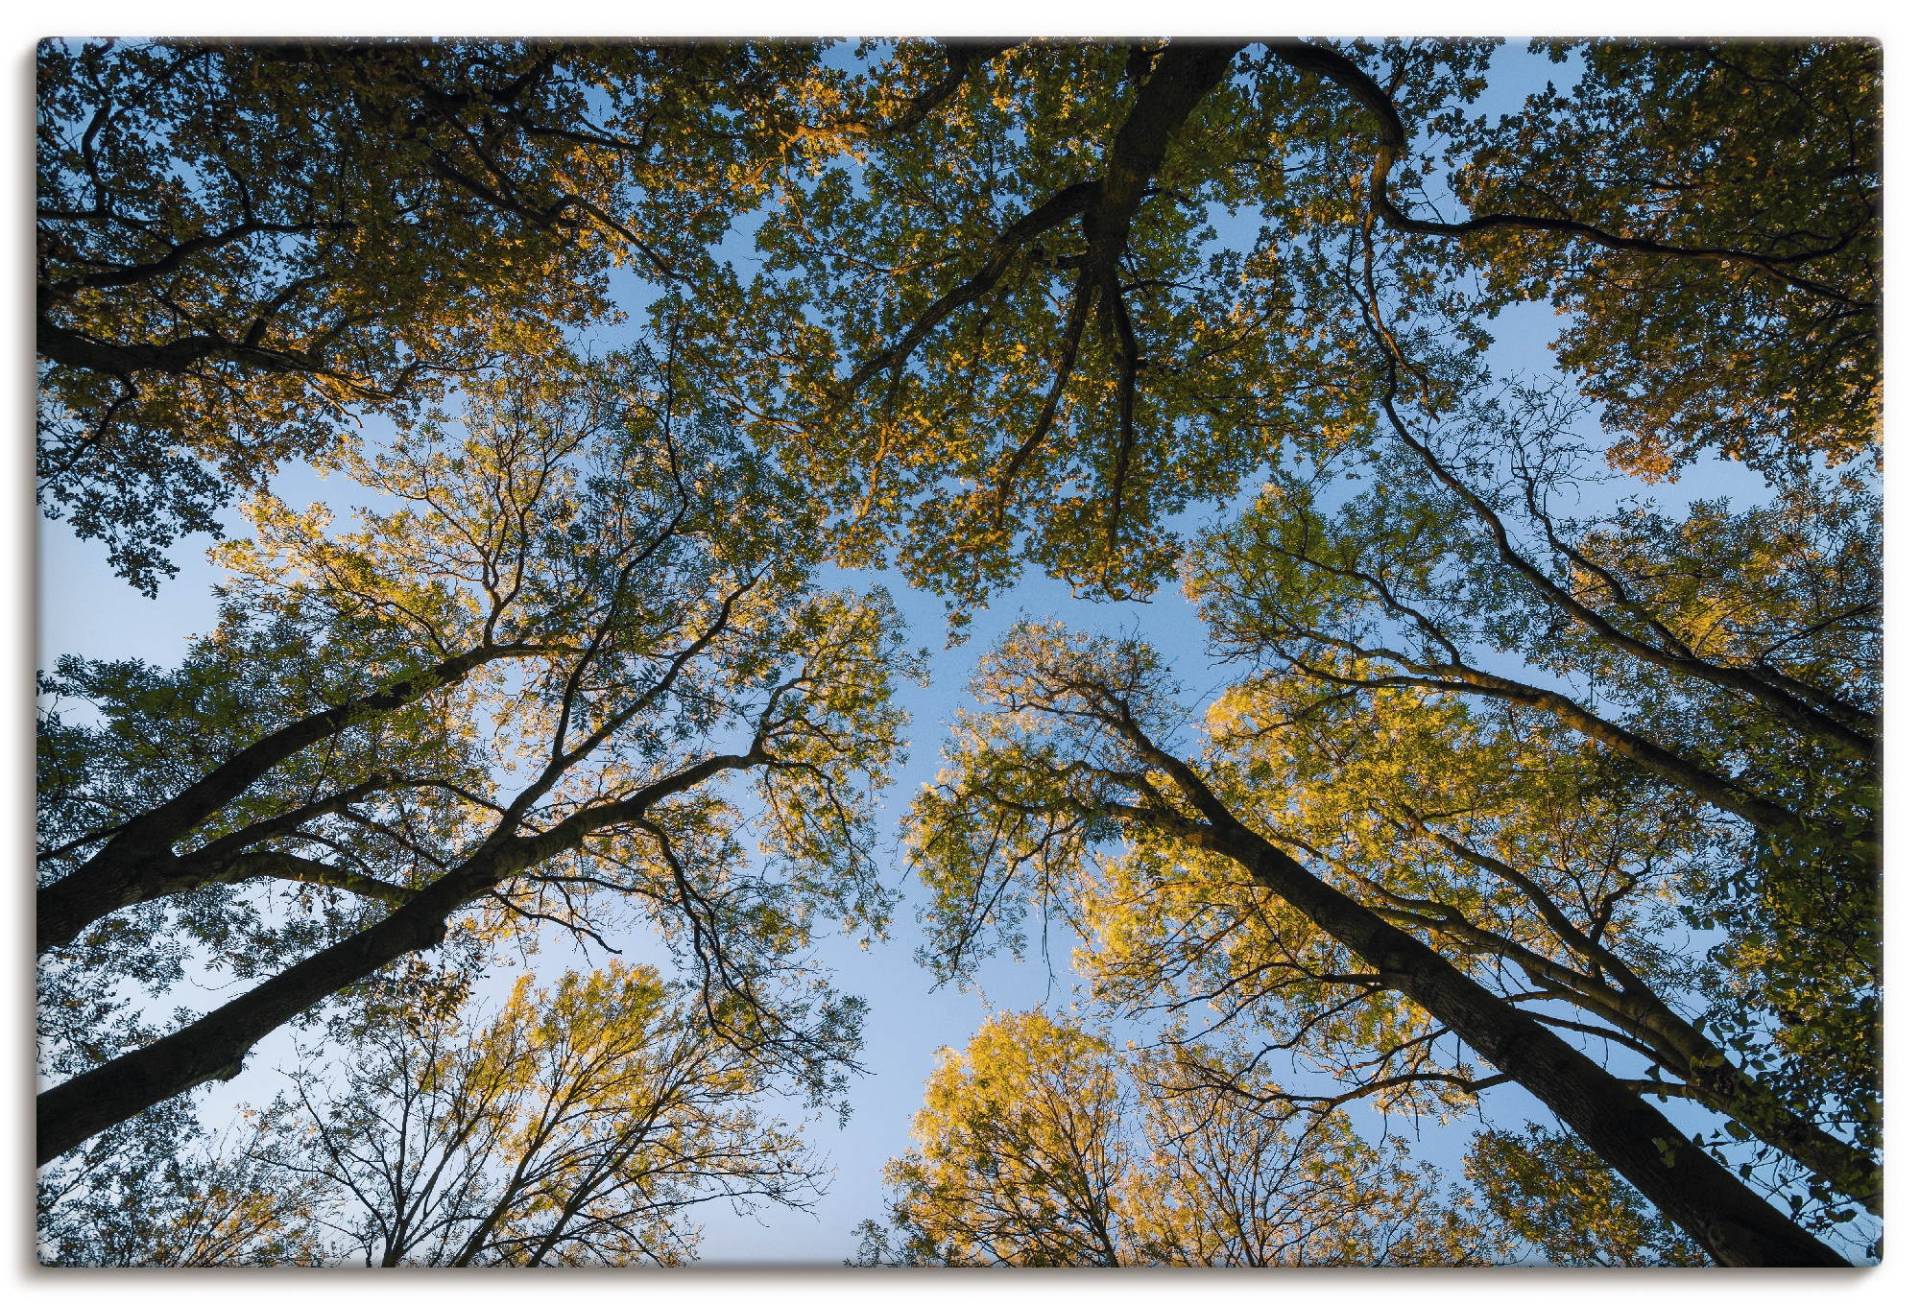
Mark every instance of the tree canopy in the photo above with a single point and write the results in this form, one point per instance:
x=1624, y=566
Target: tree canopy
x=1042, y=1145
x=245, y=248
x=1538, y=765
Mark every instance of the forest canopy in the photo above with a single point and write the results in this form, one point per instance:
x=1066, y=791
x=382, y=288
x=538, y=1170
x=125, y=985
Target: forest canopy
x=1503, y=425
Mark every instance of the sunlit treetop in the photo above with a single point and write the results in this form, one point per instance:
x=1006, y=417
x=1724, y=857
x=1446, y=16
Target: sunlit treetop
x=1042, y=1144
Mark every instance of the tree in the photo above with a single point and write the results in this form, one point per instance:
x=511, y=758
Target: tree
x=1020, y=1154
x=1042, y=1145
x=245, y=249
x=580, y=1126
x=621, y=551
x=1073, y=751
x=1040, y=332
x=1730, y=657
x=1771, y=354
x=1558, y=879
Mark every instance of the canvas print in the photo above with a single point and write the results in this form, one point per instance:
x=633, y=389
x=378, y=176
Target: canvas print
x=916, y=653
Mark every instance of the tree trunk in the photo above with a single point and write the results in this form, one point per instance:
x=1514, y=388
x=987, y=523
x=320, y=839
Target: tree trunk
x=216, y=1045
x=1734, y=1225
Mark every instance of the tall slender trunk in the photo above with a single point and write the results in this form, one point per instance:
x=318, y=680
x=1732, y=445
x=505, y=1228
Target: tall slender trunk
x=1733, y=1224
x=1612, y=990
x=1729, y=1221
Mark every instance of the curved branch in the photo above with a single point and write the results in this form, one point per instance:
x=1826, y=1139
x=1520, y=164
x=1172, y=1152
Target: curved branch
x=1391, y=133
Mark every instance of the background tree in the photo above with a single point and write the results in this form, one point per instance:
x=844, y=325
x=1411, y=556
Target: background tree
x=580, y=1126
x=1042, y=1145
x=158, y=1192
x=1020, y=1152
